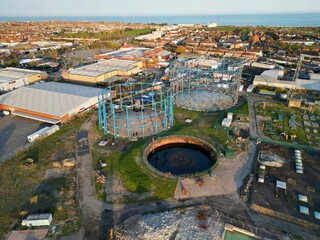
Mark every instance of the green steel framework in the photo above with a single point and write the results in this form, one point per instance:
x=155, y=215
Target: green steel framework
x=115, y=109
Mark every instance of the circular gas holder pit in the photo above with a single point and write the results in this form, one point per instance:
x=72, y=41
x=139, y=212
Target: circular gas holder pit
x=204, y=100
x=176, y=156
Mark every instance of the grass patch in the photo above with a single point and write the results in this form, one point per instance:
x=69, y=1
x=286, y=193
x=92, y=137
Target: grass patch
x=70, y=227
x=242, y=108
x=132, y=176
x=205, y=125
x=100, y=189
x=135, y=177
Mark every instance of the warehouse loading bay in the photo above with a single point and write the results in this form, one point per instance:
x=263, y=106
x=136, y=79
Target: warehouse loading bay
x=13, y=133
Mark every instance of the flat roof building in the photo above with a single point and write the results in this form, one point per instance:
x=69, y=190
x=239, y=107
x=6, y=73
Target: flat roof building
x=49, y=102
x=150, y=57
x=12, y=78
x=272, y=78
x=102, y=71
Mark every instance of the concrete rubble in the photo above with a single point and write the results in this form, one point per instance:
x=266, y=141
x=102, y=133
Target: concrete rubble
x=270, y=159
x=190, y=223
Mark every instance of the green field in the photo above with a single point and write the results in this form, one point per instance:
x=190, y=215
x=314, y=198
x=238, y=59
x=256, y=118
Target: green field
x=241, y=108
x=111, y=35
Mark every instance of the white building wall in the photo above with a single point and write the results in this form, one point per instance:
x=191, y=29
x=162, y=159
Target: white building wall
x=11, y=85
x=298, y=84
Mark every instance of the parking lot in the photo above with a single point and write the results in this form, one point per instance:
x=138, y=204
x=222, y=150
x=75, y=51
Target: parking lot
x=14, y=132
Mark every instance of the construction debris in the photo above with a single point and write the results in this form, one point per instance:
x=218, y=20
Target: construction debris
x=102, y=163
x=56, y=164
x=69, y=162
x=100, y=178
x=200, y=182
x=200, y=223
x=28, y=162
x=270, y=159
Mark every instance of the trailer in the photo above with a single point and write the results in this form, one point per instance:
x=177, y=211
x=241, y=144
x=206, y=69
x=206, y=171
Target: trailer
x=250, y=88
x=37, y=220
x=44, y=132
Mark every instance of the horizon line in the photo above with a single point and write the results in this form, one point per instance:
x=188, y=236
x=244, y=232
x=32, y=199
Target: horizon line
x=164, y=15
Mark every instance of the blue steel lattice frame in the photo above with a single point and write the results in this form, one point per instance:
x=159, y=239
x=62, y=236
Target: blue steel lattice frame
x=120, y=120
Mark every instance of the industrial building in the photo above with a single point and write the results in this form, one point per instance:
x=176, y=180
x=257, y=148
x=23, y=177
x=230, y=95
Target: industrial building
x=103, y=71
x=156, y=57
x=12, y=78
x=273, y=78
x=49, y=102
x=151, y=36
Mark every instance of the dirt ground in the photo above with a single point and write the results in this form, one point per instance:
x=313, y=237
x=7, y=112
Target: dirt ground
x=141, y=124
x=227, y=178
x=264, y=194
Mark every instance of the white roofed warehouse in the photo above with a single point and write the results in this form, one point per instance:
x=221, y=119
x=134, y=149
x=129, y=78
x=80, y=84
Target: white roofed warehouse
x=49, y=102
x=12, y=78
x=102, y=71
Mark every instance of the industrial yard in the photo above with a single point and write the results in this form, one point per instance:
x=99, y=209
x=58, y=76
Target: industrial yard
x=285, y=203
x=14, y=132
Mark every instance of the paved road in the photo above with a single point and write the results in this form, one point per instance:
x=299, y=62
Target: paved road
x=252, y=115
x=90, y=206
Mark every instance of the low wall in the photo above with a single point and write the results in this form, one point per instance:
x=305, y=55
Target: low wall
x=179, y=139
x=284, y=217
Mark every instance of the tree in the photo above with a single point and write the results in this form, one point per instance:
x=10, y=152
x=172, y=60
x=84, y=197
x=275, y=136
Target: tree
x=54, y=54
x=180, y=49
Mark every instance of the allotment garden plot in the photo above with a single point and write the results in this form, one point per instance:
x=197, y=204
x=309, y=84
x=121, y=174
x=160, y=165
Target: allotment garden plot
x=278, y=122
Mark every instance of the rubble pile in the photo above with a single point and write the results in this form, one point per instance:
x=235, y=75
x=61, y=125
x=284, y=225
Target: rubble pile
x=246, y=188
x=100, y=178
x=189, y=223
x=270, y=159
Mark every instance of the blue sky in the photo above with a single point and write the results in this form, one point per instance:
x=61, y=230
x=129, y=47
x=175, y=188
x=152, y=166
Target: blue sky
x=151, y=7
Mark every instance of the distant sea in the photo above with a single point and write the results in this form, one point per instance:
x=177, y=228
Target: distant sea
x=285, y=19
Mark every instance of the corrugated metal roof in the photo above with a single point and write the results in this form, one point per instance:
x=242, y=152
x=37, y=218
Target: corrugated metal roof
x=103, y=67
x=51, y=98
x=10, y=74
